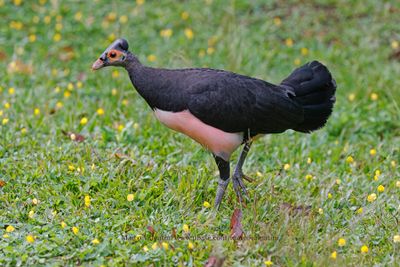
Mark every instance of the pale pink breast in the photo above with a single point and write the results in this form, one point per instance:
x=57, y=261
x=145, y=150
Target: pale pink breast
x=219, y=142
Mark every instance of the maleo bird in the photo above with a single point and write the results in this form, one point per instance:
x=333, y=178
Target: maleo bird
x=223, y=110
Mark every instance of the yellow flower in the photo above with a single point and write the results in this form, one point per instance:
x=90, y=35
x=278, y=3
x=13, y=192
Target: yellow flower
x=377, y=172
x=139, y=2
x=393, y=163
x=190, y=245
x=376, y=177
x=286, y=166
x=78, y=16
x=59, y=27
x=5, y=235
x=341, y=242
x=359, y=211
x=112, y=16
x=17, y=2
x=189, y=33
x=4, y=121
x=123, y=19
x=338, y=181
x=11, y=90
x=381, y=188
x=115, y=74
x=1, y=111
x=320, y=211
x=95, y=241
x=333, y=255
x=329, y=195
x=185, y=228
x=151, y=58
x=120, y=127
x=35, y=201
x=166, y=33
x=349, y=159
x=70, y=86
x=268, y=263
x=297, y=62
x=364, y=249
x=210, y=50
x=47, y=19
x=206, y=204
x=130, y=197
x=112, y=37
x=73, y=137
x=394, y=44
x=398, y=184
x=75, y=230
x=79, y=84
x=83, y=121
x=396, y=239
x=184, y=15
x=304, y=51
x=371, y=197
x=67, y=94
x=100, y=111
x=57, y=37
x=63, y=224
x=145, y=249
x=10, y=229
x=71, y=167
x=136, y=126
x=259, y=174
x=351, y=97
x=372, y=152
x=23, y=131
x=36, y=111
x=114, y=91
x=154, y=246
x=87, y=201
x=138, y=237
x=7, y=105
x=31, y=214
x=309, y=160
x=59, y=105
x=165, y=245
x=374, y=96
x=277, y=21
x=30, y=238
x=309, y=177
x=289, y=42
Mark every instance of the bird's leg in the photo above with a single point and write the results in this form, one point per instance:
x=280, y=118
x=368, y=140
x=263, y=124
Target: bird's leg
x=238, y=175
x=224, y=173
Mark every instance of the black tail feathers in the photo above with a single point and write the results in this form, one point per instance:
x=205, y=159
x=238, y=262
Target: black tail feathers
x=315, y=89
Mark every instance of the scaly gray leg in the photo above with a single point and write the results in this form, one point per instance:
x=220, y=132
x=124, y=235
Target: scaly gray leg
x=238, y=175
x=224, y=173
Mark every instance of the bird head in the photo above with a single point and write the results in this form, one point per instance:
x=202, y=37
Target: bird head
x=115, y=55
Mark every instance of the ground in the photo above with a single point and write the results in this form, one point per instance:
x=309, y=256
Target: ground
x=118, y=197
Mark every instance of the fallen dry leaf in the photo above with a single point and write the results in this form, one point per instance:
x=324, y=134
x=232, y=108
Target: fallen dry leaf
x=236, y=224
x=214, y=261
x=2, y=183
x=74, y=136
x=151, y=230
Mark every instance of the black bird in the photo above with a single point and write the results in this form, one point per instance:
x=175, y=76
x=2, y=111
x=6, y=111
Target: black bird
x=222, y=110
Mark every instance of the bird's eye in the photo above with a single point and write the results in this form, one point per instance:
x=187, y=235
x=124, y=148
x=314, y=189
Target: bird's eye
x=112, y=54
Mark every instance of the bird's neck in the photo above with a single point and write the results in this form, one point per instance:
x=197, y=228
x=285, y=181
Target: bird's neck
x=139, y=75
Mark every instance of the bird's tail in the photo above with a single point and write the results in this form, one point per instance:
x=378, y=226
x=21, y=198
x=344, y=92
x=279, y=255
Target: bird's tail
x=314, y=89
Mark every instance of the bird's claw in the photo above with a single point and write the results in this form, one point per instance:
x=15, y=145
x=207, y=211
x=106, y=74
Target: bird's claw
x=222, y=184
x=238, y=185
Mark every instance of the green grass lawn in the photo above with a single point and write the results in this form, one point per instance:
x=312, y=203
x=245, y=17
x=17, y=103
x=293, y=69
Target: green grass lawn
x=64, y=202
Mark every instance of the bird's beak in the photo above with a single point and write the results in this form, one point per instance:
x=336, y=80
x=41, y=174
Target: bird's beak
x=98, y=64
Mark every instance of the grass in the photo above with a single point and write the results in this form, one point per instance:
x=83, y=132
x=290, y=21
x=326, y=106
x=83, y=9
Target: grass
x=46, y=50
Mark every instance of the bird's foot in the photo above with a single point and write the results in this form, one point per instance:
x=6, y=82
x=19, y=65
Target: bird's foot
x=222, y=184
x=238, y=185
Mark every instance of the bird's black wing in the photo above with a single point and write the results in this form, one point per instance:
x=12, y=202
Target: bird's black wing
x=237, y=103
